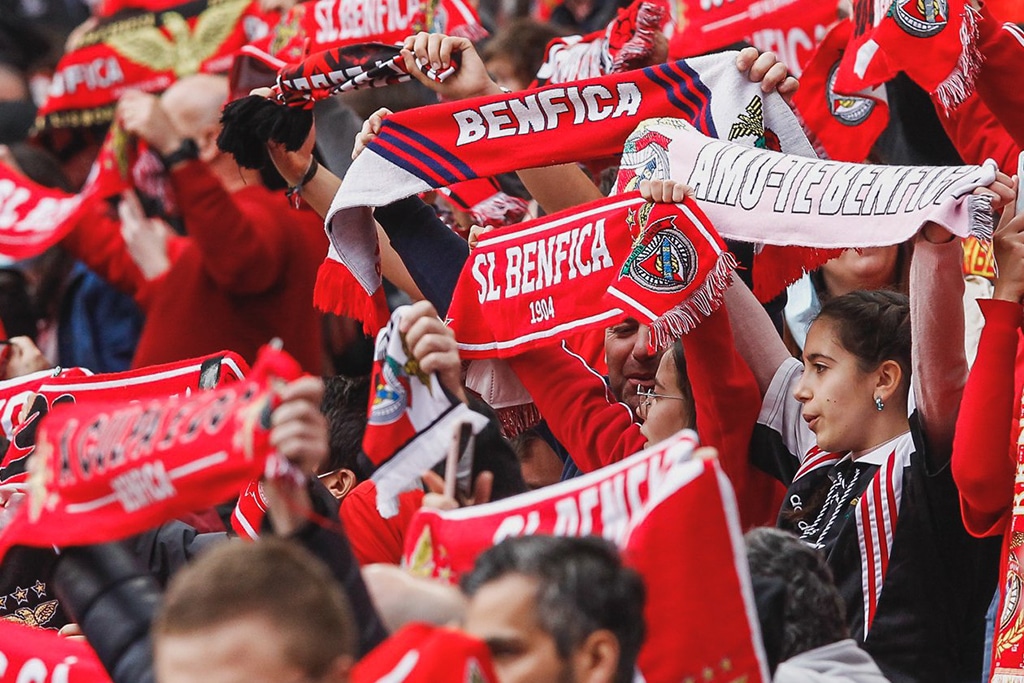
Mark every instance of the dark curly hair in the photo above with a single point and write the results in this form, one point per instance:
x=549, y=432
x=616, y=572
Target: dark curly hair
x=813, y=613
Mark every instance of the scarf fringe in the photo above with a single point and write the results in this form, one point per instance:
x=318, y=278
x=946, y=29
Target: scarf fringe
x=514, y=420
x=776, y=267
x=959, y=84
x=338, y=292
x=981, y=219
x=686, y=315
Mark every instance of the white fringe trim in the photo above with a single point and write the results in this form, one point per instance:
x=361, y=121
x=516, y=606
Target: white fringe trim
x=981, y=220
x=959, y=84
x=686, y=315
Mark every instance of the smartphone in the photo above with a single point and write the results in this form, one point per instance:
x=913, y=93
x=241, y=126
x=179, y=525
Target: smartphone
x=1019, y=206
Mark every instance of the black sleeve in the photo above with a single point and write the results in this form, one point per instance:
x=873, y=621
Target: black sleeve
x=331, y=546
x=432, y=253
x=171, y=546
x=114, y=600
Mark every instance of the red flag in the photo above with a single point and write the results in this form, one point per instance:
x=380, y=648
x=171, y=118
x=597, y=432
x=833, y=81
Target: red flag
x=31, y=654
x=689, y=548
x=675, y=518
x=102, y=471
x=846, y=125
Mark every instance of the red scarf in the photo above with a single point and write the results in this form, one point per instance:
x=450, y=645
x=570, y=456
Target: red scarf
x=485, y=202
x=106, y=470
x=626, y=43
x=536, y=283
x=143, y=51
x=169, y=379
x=431, y=147
x=933, y=41
x=789, y=27
x=312, y=27
x=424, y=653
x=847, y=124
x=33, y=218
x=677, y=523
x=1008, y=643
x=33, y=654
x=14, y=393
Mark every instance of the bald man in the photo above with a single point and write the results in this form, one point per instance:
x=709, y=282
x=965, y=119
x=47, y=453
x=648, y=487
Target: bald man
x=244, y=271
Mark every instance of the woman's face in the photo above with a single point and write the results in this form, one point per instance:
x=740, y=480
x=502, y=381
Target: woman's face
x=665, y=416
x=837, y=395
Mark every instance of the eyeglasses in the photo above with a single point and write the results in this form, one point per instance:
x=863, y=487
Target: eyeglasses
x=649, y=396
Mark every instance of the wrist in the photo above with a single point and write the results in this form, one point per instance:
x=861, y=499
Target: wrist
x=1007, y=293
x=172, y=154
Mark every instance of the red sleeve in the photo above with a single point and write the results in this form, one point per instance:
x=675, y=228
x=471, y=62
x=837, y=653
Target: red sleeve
x=373, y=538
x=241, y=238
x=578, y=406
x=998, y=83
x=728, y=402
x=978, y=135
x=983, y=459
x=96, y=241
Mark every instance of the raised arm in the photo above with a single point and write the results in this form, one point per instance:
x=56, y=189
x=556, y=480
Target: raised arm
x=754, y=334
x=939, y=367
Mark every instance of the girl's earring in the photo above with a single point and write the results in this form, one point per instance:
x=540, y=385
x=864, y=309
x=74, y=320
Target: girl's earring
x=879, y=404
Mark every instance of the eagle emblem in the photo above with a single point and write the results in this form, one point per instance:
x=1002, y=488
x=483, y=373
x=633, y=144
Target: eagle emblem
x=36, y=617
x=181, y=49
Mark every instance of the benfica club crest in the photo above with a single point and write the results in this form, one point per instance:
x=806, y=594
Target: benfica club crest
x=663, y=260
x=921, y=18
x=390, y=393
x=849, y=110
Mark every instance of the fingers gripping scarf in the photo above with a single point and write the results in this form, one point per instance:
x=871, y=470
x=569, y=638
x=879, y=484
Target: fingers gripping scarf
x=446, y=143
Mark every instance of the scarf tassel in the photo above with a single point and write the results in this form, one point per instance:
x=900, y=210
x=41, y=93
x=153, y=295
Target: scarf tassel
x=959, y=84
x=338, y=292
x=982, y=220
x=686, y=315
x=637, y=51
x=514, y=420
x=776, y=267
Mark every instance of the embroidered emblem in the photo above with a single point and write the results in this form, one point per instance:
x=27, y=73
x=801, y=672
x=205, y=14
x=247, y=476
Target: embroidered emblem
x=921, y=18
x=178, y=47
x=849, y=110
x=751, y=124
x=663, y=260
x=36, y=617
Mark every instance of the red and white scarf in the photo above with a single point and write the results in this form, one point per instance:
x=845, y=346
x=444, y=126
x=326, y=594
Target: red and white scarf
x=790, y=28
x=585, y=268
x=324, y=24
x=933, y=41
x=143, y=51
x=626, y=43
x=783, y=200
x=35, y=654
x=846, y=124
x=103, y=471
x=14, y=392
x=435, y=146
x=33, y=218
x=1008, y=643
x=675, y=519
x=171, y=379
x=411, y=418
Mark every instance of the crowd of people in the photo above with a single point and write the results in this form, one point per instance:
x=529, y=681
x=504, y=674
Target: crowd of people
x=867, y=421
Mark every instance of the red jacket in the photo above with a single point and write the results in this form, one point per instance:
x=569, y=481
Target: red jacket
x=243, y=275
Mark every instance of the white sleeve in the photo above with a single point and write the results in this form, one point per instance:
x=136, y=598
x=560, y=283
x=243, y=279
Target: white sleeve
x=780, y=411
